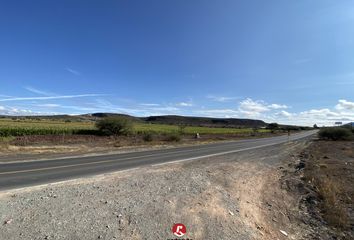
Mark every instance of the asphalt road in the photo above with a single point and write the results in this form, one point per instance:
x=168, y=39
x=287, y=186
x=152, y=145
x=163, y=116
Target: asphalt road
x=20, y=174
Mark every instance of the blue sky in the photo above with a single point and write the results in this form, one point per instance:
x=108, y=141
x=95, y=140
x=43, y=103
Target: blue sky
x=284, y=61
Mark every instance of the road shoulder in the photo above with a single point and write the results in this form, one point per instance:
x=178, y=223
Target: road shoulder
x=225, y=197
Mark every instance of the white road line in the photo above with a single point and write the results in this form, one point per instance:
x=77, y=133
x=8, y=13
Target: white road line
x=228, y=152
x=216, y=154
x=158, y=164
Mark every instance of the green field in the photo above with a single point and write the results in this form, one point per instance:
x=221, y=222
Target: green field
x=162, y=128
x=9, y=127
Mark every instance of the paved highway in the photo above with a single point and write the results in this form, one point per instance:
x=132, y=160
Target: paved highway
x=20, y=174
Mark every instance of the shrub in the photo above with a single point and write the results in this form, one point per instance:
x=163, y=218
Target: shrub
x=181, y=129
x=148, y=137
x=173, y=137
x=273, y=126
x=336, y=133
x=115, y=126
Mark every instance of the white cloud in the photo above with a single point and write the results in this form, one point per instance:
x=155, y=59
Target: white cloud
x=14, y=111
x=75, y=72
x=184, y=104
x=284, y=114
x=345, y=105
x=257, y=108
x=251, y=108
x=342, y=112
x=325, y=112
x=277, y=106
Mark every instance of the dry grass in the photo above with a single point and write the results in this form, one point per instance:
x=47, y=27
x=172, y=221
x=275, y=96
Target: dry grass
x=330, y=172
x=334, y=211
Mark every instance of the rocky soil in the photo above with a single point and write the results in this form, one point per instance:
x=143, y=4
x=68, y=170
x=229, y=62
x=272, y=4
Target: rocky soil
x=238, y=196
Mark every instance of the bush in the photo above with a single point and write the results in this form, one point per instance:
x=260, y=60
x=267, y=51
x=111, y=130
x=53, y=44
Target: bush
x=181, y=129
x=173, y=137
x=336, y=133
x=273, y=126
x=148, y=137
x=115, y=126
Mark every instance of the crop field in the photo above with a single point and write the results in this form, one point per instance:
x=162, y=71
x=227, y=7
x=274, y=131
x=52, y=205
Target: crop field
x=9, y=127
x=163, y=128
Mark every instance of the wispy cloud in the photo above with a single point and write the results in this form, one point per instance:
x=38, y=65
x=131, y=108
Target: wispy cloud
x=37, y=91
x=49, y=105
x=184, y=104
x=75, y=72
x=49, y=97
x=150, y=104
x=222, y=98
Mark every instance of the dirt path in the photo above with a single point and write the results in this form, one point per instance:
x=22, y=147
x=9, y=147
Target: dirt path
x=231, y=197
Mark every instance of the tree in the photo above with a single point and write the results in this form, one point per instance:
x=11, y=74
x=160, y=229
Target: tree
x=273, y=126
x=115, y=126
x=315, y=126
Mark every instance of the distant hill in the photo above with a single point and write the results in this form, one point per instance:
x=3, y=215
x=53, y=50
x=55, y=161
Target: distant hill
x=95, y=116
x=204, y=121
x=166, y=119
x=349, y=124
x=188, y=121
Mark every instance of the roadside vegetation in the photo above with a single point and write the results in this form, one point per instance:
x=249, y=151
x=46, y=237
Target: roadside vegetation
x=61, y=134
x=336, y=133
x=329, y=171
x=25, y=127
x=115, y=126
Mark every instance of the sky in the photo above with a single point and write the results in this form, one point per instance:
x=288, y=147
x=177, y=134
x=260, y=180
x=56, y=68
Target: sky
x=290, y=62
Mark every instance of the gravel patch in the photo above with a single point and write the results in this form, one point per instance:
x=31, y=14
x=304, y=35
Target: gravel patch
x=215, y=198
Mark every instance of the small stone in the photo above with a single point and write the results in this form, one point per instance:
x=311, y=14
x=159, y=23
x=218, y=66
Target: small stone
x=284, y=233
x=8, y=221
x=231, y=213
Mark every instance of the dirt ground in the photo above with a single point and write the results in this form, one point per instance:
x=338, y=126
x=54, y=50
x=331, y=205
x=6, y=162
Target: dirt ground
x=321, y=179
x=238, y=196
